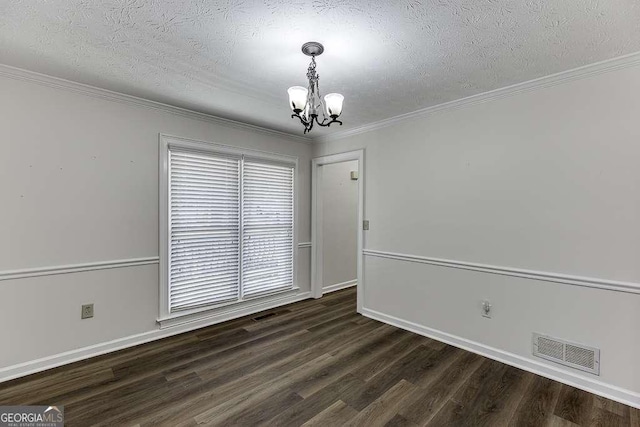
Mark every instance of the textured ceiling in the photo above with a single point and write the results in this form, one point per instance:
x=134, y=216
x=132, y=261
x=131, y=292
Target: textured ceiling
x=236, y=58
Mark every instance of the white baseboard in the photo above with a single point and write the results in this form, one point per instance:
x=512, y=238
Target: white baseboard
x=49, y=362
x=339, y=286
x=230, y=311
x=594, y=386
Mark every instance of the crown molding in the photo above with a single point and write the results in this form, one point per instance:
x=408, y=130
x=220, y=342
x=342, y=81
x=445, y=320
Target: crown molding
x=585, y=71
x=535, y=84
x=96, y=92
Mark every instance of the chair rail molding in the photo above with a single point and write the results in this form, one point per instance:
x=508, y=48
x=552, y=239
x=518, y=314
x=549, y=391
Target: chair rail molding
x=590, y=282
x=76, y=268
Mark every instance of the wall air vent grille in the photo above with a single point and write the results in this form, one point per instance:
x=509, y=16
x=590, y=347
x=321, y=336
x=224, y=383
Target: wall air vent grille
x=551, y=348
x=567, y=353
x=579, y=356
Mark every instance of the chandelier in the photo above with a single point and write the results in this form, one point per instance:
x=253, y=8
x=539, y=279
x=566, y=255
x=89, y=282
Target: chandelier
x=307, y=103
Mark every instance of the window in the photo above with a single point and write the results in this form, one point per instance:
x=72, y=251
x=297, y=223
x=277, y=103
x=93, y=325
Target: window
x=204, y=228
x=267, y=227
x=229, y=226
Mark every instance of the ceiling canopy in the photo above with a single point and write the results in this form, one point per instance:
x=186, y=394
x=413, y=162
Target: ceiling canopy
x=236, y=58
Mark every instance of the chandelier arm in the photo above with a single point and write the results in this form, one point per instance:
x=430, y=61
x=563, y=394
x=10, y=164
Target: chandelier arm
x=309, y=126
x=324, y=123
x=300, y=117
x=322, y=105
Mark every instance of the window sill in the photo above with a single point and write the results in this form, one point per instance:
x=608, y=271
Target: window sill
x=221, y=313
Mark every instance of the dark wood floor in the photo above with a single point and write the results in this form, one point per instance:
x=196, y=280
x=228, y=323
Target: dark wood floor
x=316, y=362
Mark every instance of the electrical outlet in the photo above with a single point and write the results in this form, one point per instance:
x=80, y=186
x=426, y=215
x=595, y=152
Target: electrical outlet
x=87, y=311
x=486, y=309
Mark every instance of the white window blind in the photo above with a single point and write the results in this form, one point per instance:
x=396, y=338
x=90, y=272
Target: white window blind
x=230, y=228
x=205, y=229
x=267, y=223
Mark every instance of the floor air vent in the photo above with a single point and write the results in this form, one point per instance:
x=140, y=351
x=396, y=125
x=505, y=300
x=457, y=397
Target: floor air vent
x=567, y=353
x=264, y=316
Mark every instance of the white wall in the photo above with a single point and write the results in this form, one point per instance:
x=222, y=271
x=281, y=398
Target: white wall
x=79, y=184
x=544, y=180
x=340, y=223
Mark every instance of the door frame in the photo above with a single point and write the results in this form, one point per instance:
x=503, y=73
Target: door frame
x=317, y=221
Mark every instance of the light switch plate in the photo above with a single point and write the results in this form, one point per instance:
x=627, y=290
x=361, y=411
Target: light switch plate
x=365, y=224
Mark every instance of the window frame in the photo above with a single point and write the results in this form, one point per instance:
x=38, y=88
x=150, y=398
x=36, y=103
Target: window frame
x=166, y=142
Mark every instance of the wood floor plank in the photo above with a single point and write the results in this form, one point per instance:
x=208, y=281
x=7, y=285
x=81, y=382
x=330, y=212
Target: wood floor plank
x=383, y=409
x=538, y=404
x=485, y=398
x=197, y=350
x=611, y=406
x=184, y=364
x=227, y=376
x=349, y=316
x=130, y=411
x=326, y=300
x=256, y=410
x=366, y=371
x=258, y=392
x=335, y=415
x=379, y=384
x=634, y=417
x=180, y=364
x=334, y=298
x=601, y=417
x=314, y=363
x=206, y=401
x=281, y=365
x=227, y=357
x=556, y=421
x=574, y=405
x=313, y=405
x=400, y=421
x=133, y=394
x=235, y=361
x=437, y=363
x=50, y=388
x=304, y=342
x=364, y=349
x=423, y=406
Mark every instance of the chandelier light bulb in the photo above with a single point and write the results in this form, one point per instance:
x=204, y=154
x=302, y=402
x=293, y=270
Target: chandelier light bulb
x=333, y=103
x=297, y=98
